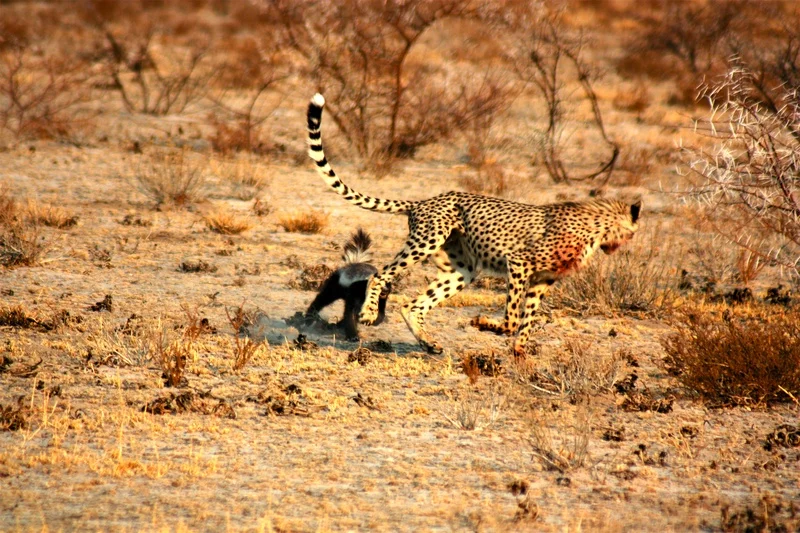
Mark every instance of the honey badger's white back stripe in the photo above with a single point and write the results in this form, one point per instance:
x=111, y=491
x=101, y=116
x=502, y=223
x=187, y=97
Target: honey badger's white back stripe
x=323, y=167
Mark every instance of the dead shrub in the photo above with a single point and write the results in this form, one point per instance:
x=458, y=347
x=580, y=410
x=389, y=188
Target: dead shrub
x=311, y=278
x=153, y=83
x=14, y=418
x=200, y=265
x=308, y=222
x=384, y=103
x=743, y=357
x=227, y=223
x=239, y=117
x=548, y=57
x=490, y=179
x=42, y=96
x=475, y=364
x=171, y=178
x=747, y=180
x=190, y=402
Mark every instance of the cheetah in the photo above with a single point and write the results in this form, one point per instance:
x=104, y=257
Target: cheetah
x=464, y=235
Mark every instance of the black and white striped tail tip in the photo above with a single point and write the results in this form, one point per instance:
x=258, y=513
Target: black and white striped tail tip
x=318, y=100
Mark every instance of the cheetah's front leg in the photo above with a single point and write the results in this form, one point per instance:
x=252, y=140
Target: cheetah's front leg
x=516, y=288
x=369, y=311
x=534, y=297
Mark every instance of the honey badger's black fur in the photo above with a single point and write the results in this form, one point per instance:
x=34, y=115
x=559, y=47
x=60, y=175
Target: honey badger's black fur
x=349, y=283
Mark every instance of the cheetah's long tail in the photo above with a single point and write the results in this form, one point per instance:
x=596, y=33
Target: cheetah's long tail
x=324, y=168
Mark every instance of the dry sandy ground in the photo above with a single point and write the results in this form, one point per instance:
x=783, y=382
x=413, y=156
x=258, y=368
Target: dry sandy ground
x=303, y=440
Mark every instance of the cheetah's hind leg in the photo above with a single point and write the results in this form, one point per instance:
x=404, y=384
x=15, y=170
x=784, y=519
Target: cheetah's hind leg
x=454, y=273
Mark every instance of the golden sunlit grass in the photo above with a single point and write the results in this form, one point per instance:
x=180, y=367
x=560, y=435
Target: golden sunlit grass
x=227, y=223
x=467, y=298
x=307, y=222
x=50, y=215
x=245, y=176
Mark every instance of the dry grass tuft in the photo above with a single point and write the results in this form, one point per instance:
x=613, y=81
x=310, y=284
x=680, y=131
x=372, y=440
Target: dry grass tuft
x=639, y=278
x=562, y=453
x=246, y=177
x=20, y=244
x=227, y=223
x=741, y=357
x=51, y=216
x=194, y=267
x=575, y=369
x=171, y=352
x=243, y=347
x=13, y=418
x=171, y=178
x=475, y=410
x=17, y=316
x=308, y=222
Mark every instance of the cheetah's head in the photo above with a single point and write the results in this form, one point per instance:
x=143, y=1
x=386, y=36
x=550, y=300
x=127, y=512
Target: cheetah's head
x=624, y=228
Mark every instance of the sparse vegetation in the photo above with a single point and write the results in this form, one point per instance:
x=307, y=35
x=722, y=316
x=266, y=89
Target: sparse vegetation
x=737, y=358
x=20, y=240
x=307, y=222
x=666, y=365
x=51, y=215
x=244, y=348
x=564, y=452
x=226, y=223
x=748, y=179
x=42, y=96
x=640, y=278
x=171, y=178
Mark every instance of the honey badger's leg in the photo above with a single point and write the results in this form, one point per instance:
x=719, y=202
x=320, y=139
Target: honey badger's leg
x=330, y=291
x=518, y=273
x=536, y=292
x=452, y=276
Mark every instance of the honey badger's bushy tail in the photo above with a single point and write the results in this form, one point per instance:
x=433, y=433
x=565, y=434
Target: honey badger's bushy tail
x=356, y=250
x=324, y=168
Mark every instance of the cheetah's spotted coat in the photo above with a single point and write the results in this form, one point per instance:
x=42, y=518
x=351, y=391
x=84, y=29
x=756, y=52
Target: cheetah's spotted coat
x=466, y=234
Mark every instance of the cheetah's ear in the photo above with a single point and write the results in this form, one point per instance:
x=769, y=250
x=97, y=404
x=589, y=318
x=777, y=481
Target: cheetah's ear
x=635, y=208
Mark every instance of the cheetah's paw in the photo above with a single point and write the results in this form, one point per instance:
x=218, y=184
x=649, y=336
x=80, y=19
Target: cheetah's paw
x=489, y=324
x=368, y=315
